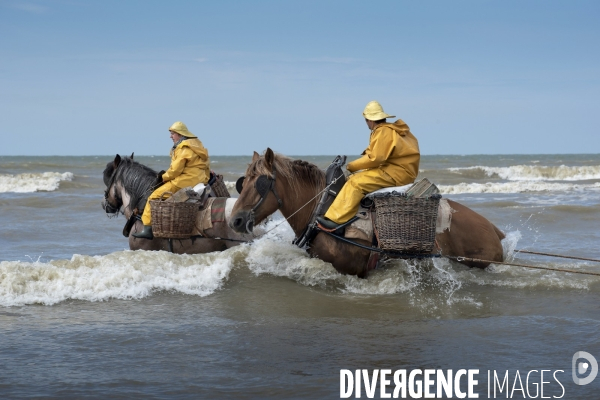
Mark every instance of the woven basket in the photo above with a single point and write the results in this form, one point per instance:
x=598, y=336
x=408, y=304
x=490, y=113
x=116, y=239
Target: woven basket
x=173, y=220
x=218, y=187
x=406, y=224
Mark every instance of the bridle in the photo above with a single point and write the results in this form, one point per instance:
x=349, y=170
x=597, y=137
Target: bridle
x=264, y=185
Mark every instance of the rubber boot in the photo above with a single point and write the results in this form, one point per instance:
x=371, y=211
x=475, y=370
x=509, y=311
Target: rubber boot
x=146, y=233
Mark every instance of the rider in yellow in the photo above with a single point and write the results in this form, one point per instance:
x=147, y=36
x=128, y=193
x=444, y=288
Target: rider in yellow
x=189, y=167
x=392, y=159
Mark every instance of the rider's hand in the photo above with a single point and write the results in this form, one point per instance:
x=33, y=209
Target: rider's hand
x=159, y=180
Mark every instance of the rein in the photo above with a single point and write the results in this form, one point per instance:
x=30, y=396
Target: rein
x=304, y=234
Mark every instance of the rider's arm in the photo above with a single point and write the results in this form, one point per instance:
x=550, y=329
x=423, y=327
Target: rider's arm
x=178, y=163
x=379, y=150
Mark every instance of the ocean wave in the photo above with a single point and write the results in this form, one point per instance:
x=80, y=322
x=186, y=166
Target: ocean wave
x=33, y=182
x=121, y=275
x=439, y=279
x=427, y=285
x=533, y=172
x=230, y=186
x=516, y=187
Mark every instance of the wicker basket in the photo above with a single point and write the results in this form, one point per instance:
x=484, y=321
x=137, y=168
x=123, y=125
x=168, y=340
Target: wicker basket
x=406, y=224
x=218, y=188
x=173, y=219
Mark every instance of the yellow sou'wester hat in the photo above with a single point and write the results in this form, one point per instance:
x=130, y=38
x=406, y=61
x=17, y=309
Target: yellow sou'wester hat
x=374, y=112
x=180, y=128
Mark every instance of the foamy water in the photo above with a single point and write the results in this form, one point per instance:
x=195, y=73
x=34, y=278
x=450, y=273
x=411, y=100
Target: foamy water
x=120, y=275
x=517, y=187
x=537, y=172
x=33, y=182
x=136, y=275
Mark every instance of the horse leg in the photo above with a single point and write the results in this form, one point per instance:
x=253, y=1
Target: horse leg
x=345, y=258
x=145, y=244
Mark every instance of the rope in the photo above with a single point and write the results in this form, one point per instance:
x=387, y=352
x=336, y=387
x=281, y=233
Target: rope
x=557, y=255
x=459, y=259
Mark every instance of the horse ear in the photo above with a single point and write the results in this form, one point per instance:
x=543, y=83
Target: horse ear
x=269, y=158
x=117, y=161
x=131, y=156
x=255, y=157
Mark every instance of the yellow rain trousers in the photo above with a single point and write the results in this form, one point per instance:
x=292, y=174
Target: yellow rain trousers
x=392, y=159
x=190, y=166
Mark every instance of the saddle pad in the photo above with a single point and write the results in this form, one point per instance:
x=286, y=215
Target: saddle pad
x=213, y=211
x=362, y=228
x=217, y=210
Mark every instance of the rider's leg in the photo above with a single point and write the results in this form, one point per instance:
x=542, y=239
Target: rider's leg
x=357, y=186
x=146, y=233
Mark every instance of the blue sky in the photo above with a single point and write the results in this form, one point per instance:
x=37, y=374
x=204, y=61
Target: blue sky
x=468, y=77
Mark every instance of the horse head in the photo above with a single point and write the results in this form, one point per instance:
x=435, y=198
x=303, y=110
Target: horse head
x=258, y=196
x=112, y=202
x=128, y=184
x=274, y=182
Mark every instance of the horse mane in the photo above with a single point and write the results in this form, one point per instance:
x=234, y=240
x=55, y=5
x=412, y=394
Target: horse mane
x=295, y=171
x=137, y=180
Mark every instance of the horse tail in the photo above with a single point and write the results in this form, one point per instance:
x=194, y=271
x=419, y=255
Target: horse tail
x=500, y=234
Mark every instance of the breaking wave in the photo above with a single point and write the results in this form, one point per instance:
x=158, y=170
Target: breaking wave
x=534, y=172
x=439, y=279
x=516, y=187
x=121, y=275
x=428, y=285
x=33, y=182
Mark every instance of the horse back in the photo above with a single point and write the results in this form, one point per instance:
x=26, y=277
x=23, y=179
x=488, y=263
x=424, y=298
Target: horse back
x=471, y=235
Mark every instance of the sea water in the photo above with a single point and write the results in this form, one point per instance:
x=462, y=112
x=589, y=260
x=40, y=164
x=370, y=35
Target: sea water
x=83, y=316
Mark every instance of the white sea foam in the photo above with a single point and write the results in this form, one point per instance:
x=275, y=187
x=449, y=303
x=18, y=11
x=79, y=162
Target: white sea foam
x=120, y=275
x=517, y=187
x=442, y=280
x=429, y=284
x=33, y=182
x=538, y=172
x=230, y=186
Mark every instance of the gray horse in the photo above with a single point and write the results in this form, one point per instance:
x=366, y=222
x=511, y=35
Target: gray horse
x=128, y=185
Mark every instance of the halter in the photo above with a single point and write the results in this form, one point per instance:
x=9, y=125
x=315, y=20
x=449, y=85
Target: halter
x=263, y=185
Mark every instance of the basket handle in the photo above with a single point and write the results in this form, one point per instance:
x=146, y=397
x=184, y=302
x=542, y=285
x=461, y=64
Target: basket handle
x=162, y=195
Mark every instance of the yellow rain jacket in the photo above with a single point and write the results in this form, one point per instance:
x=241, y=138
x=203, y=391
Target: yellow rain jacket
x=392, y=159
x=189, y=166
x=394, y=150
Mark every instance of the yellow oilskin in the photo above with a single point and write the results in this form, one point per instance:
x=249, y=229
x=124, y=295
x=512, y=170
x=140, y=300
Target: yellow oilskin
x=157, y=194
x=393, y=149
x=190, y=166
x=392, y=159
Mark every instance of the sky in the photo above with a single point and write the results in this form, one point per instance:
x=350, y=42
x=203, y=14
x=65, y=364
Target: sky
x=468, y=77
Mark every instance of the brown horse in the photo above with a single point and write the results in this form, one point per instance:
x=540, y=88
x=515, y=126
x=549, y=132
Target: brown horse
x=128, y=185
x=299, y=184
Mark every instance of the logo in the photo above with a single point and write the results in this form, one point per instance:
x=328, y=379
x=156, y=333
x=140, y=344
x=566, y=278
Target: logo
x=583, y=366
